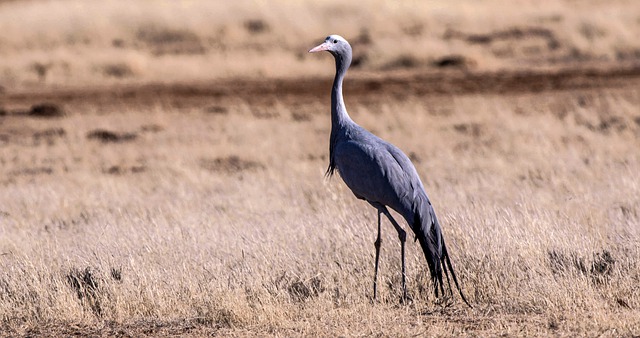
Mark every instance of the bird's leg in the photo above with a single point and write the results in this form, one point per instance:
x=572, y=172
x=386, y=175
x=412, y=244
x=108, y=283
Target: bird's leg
x=377, y=244
x=403, y=238
x=402, y=235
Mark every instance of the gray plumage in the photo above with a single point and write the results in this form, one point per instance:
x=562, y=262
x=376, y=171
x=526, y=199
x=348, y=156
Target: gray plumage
x=381, y=174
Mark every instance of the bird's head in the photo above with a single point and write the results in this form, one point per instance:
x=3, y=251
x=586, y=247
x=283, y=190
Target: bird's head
x=334, y=44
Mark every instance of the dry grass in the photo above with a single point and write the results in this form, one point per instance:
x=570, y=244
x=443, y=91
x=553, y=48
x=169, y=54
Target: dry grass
x=151, y=213
x=75, y=42
x=210, y=218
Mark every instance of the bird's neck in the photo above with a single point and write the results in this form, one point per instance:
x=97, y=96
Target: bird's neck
x=339, y=116
x=340, y=120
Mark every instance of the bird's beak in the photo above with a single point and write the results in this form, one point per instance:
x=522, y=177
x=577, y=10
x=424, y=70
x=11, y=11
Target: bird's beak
x=319, y=48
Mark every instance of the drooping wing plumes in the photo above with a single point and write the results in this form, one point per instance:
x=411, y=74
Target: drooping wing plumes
x=429, y=234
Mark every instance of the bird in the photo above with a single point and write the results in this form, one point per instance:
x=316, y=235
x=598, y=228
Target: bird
x=381, y=174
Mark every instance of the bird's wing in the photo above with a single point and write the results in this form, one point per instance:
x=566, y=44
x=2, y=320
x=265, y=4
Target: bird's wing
x=421, y=217
x=379, y=172
x=403, y=175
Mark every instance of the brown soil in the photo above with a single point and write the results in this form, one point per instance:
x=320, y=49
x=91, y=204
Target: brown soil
x=398, y=84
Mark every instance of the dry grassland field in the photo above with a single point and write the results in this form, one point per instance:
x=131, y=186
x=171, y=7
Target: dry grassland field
x=162, y=167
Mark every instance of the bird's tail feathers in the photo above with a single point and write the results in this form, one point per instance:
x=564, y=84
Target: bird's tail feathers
x=435, y=251
x=445, y=258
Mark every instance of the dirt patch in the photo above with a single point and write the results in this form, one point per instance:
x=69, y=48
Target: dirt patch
x=513, y=33
x=46, y=110
x=123, y=170
x=472, y=129
x=151, y=128
x=453, y=61
x=398, y=83
x=117, y=70
x=163, y=40
x=49, y=135
x=231, y=164
x=265, y=113
x=32, y=171
x=256, y=26
x=300, y=117
x=403, y=61
x=217, y=110
x=106, y=136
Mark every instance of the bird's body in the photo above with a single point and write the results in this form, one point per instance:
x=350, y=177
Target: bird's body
x=381, y=174
x=378, y=172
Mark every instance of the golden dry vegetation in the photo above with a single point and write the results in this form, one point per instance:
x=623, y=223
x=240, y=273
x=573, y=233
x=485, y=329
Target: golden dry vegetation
x=187, y=196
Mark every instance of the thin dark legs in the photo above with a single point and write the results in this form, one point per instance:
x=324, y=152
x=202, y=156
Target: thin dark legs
x=402, y=235
x=377, y=244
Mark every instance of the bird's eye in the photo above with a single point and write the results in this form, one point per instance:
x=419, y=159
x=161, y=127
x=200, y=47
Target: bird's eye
x=335, y=41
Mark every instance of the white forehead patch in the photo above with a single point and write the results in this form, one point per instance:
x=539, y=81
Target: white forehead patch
x=335, y=37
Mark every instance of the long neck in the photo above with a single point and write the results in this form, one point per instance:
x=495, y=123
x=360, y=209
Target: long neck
x=339, y=115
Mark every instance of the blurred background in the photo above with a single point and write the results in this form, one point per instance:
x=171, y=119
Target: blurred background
x=79, y=43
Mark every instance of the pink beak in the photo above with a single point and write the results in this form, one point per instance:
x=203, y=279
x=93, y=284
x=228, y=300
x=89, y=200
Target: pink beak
x=319, y=48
